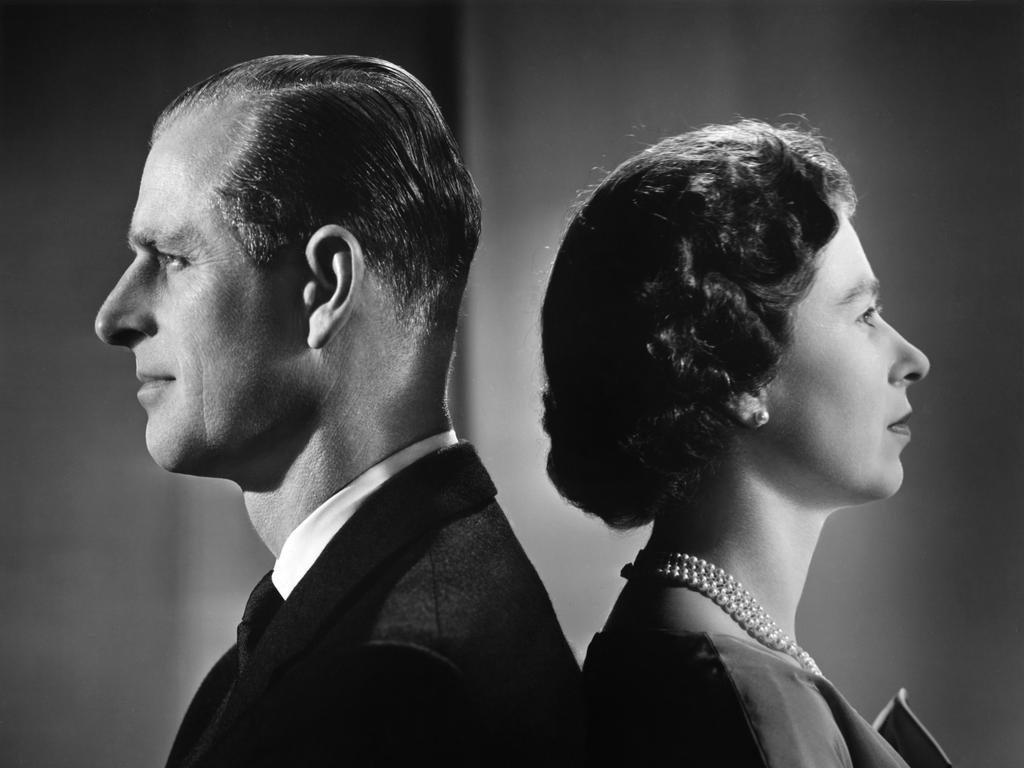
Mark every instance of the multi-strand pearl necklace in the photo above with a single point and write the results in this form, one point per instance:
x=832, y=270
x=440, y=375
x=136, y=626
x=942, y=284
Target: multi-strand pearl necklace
x=678, y=569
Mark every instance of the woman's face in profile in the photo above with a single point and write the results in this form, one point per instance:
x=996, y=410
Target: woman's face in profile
x=839, y=402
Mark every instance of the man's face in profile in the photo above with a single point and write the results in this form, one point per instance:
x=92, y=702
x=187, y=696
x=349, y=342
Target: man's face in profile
x=218, y=340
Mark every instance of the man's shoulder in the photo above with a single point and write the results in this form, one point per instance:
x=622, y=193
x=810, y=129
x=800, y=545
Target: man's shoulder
x=471, y=577
x=461, y=569
x=450, y=618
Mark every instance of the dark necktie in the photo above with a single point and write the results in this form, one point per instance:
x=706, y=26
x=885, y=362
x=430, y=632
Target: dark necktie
x=259, y=610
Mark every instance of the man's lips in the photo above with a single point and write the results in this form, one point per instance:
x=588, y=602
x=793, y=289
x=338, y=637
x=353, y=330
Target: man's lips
x=152, y=384
x=150, y=378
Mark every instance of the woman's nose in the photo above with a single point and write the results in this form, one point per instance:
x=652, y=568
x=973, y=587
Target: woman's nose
x=912, y=364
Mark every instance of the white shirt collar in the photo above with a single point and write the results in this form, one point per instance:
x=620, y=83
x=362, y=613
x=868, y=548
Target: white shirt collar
x=304, y=544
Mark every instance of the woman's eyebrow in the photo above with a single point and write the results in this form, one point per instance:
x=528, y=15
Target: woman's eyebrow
x=869, y=286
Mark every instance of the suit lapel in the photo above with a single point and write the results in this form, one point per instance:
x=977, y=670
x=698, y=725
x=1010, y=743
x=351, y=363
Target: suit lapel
x=440, y=487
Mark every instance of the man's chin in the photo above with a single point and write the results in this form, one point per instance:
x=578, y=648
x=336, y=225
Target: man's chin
x=171, y=463
x=176, y=455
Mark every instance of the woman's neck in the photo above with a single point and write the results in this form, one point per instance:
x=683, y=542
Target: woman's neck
x=755, y=534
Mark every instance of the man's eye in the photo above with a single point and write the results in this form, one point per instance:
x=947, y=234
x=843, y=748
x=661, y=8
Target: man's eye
x=170, y=260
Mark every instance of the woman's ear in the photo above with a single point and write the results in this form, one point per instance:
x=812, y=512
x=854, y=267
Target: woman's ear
x=335, y=261
x=749, y=410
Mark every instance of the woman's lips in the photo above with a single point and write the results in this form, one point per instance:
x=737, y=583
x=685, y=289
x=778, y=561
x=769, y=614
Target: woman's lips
x=901, y=427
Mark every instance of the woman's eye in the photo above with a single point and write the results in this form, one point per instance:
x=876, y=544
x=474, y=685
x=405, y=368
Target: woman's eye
x=871, y=314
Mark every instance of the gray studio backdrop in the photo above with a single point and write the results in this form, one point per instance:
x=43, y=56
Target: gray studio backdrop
x=122, y=584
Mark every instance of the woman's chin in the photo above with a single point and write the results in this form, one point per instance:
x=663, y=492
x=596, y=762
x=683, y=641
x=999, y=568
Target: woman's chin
x=882, y=486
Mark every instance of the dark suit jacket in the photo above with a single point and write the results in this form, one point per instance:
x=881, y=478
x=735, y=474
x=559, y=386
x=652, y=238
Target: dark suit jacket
x=422, y=634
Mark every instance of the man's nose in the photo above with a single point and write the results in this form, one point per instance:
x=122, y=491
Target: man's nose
x=126, y=317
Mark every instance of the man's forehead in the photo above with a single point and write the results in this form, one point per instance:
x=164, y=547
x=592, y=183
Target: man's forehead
x=179, y=180
x=204, y=129
x=171, y=201
x=193, y=148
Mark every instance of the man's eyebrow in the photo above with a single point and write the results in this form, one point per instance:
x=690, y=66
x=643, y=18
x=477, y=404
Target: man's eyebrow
x=175, y=240
x=869, y=286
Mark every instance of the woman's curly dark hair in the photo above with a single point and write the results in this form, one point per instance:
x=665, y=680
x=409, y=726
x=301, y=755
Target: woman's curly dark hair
x=671, y=295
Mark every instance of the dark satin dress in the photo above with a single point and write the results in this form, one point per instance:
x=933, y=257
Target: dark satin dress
x=695, y=699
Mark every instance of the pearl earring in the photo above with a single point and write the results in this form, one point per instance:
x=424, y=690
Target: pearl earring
x=760, y=417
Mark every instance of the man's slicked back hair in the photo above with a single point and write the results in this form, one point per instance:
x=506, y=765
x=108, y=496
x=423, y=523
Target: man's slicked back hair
x=353, y=141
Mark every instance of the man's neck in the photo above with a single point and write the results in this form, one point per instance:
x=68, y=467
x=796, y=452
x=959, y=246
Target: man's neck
x=331, y=459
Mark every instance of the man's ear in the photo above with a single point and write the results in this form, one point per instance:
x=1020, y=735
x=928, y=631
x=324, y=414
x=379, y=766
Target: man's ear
x=749, y=409
x=335, y=261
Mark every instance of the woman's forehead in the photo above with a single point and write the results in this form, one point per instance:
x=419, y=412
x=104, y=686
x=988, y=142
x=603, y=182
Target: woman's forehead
x=844, y=275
